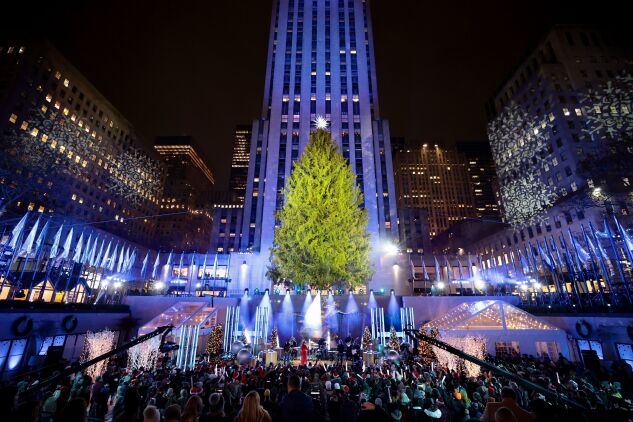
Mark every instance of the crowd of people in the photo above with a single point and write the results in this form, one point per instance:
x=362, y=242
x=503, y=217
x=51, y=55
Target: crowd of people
x=391, y=391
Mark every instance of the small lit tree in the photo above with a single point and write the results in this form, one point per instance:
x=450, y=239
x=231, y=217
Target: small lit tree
x=274, y=338
x=394, y=343
x=425, y=349
x=366, y=339
x=214, y=342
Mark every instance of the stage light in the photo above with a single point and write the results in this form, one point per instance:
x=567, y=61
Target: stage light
x=117, y=284
x=256, y=291
x=382, y=290
x=537, y=285
x=267, y=291
x=351, y=291
x=246, y=291
x=371, y=290
x=479, y=284
x=440, y=285
x=390, y=248
x=287, y=291
x=159, y=286
x=524, y=287
x=393, y=292
x=198, y=285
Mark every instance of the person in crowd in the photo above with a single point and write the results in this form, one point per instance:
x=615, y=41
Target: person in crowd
x=172, y=413
x=75, y=411
x=192, y=409
x=215, y=409
x=296, y=405
x=508, y=401
x=252, y=411
x=151, y=414
x=304, y=353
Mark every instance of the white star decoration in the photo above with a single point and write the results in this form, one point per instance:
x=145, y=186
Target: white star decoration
x=320, y=122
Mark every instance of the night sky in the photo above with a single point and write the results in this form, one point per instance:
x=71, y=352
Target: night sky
x=198, y=68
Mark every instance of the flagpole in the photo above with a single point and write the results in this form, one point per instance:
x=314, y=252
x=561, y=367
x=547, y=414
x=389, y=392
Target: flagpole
x=595, y=271
x=562, y=292
x=570, y=271
x=593, y=266
x=603, y=264
x=617, y=260
x=624, y=235
x=535, y=260
x=571, y=268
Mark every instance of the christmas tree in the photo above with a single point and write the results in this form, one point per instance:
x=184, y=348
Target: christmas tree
x=394, y=343
x=273, y=339
x=322, y=235
x=425, y=349
x=215, y=341
x=366, y=339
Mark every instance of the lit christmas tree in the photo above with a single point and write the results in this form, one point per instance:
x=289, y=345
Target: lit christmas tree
x=274, y=337
x=394, y=343
x=367, y=339
x=215, y=341
x=425, y=349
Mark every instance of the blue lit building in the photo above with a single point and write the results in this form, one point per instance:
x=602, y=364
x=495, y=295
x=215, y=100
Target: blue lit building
x=320, y=63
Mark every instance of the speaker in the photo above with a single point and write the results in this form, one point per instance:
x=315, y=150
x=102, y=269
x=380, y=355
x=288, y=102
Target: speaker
x=54, y=354
x=591, y=360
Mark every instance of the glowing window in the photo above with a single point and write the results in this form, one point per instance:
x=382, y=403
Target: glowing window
x=34, y=131
x=13, y=118
x=66, y=82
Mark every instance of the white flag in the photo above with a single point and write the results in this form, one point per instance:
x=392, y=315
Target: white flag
x=104, y=258
x=56, y=240
x=144, y=267
x=112, y=259
x=86, y=255
x=67, y=244
x=121, y=260
x=27, y=245
x=77, y=255
x=42, y=237
x=156, y=264
x=17, y=231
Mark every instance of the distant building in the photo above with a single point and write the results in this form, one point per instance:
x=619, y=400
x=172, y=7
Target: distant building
x=239, y=161
x=226, y=231
x=65, y=149
x=186, y=203
x=436, y=180
x=414, y=230
x=483, y=176
x=398, y=143
x=561, y=135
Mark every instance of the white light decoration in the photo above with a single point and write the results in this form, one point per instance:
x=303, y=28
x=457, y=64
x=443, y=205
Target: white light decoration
x=144, y=355
x=525, y=199
x=519, y=143
x=608, y=111
x=95, y=345
x=136, y=176
x=473, y=345
x=320, y=122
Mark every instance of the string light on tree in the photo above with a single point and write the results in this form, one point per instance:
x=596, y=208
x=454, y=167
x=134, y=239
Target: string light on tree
x=215, y=341
x=144, y=355
x=367, y=340
x=274, y=338
x=394, y=343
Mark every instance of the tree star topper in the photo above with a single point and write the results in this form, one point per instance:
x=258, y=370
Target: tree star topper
x=320, y=122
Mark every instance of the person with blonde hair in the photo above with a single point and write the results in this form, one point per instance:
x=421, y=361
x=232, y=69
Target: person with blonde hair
x=193, y=409
x=252, y=411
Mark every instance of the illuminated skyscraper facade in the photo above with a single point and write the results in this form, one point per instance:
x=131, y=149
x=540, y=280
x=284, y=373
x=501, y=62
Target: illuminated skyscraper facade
x=239, y=161
x=320, y=63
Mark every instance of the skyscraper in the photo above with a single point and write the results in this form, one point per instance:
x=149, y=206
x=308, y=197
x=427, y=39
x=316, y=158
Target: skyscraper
x=239, y=161
x=320, y=63
x=482, y=173
x=67, y=150
x=187, y=196
x=436, y=180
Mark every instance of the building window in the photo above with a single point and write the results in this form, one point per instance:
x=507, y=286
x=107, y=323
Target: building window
x=13, y=118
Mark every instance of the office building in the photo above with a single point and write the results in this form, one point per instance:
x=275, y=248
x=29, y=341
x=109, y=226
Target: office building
x=186, y=202
x=483, y=177
x=320, y=63
x=436, y=180
x=239, y=161
x=67, y=150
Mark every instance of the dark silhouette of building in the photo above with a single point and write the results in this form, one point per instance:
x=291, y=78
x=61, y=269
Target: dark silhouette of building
x=239, y=161
x=483, y=176
x=186, y=204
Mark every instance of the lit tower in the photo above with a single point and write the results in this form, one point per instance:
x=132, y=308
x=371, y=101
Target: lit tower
x=320, y=63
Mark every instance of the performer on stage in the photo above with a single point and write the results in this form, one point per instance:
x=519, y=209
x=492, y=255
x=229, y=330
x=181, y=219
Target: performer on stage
x=304, y=353
x=287, y=353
